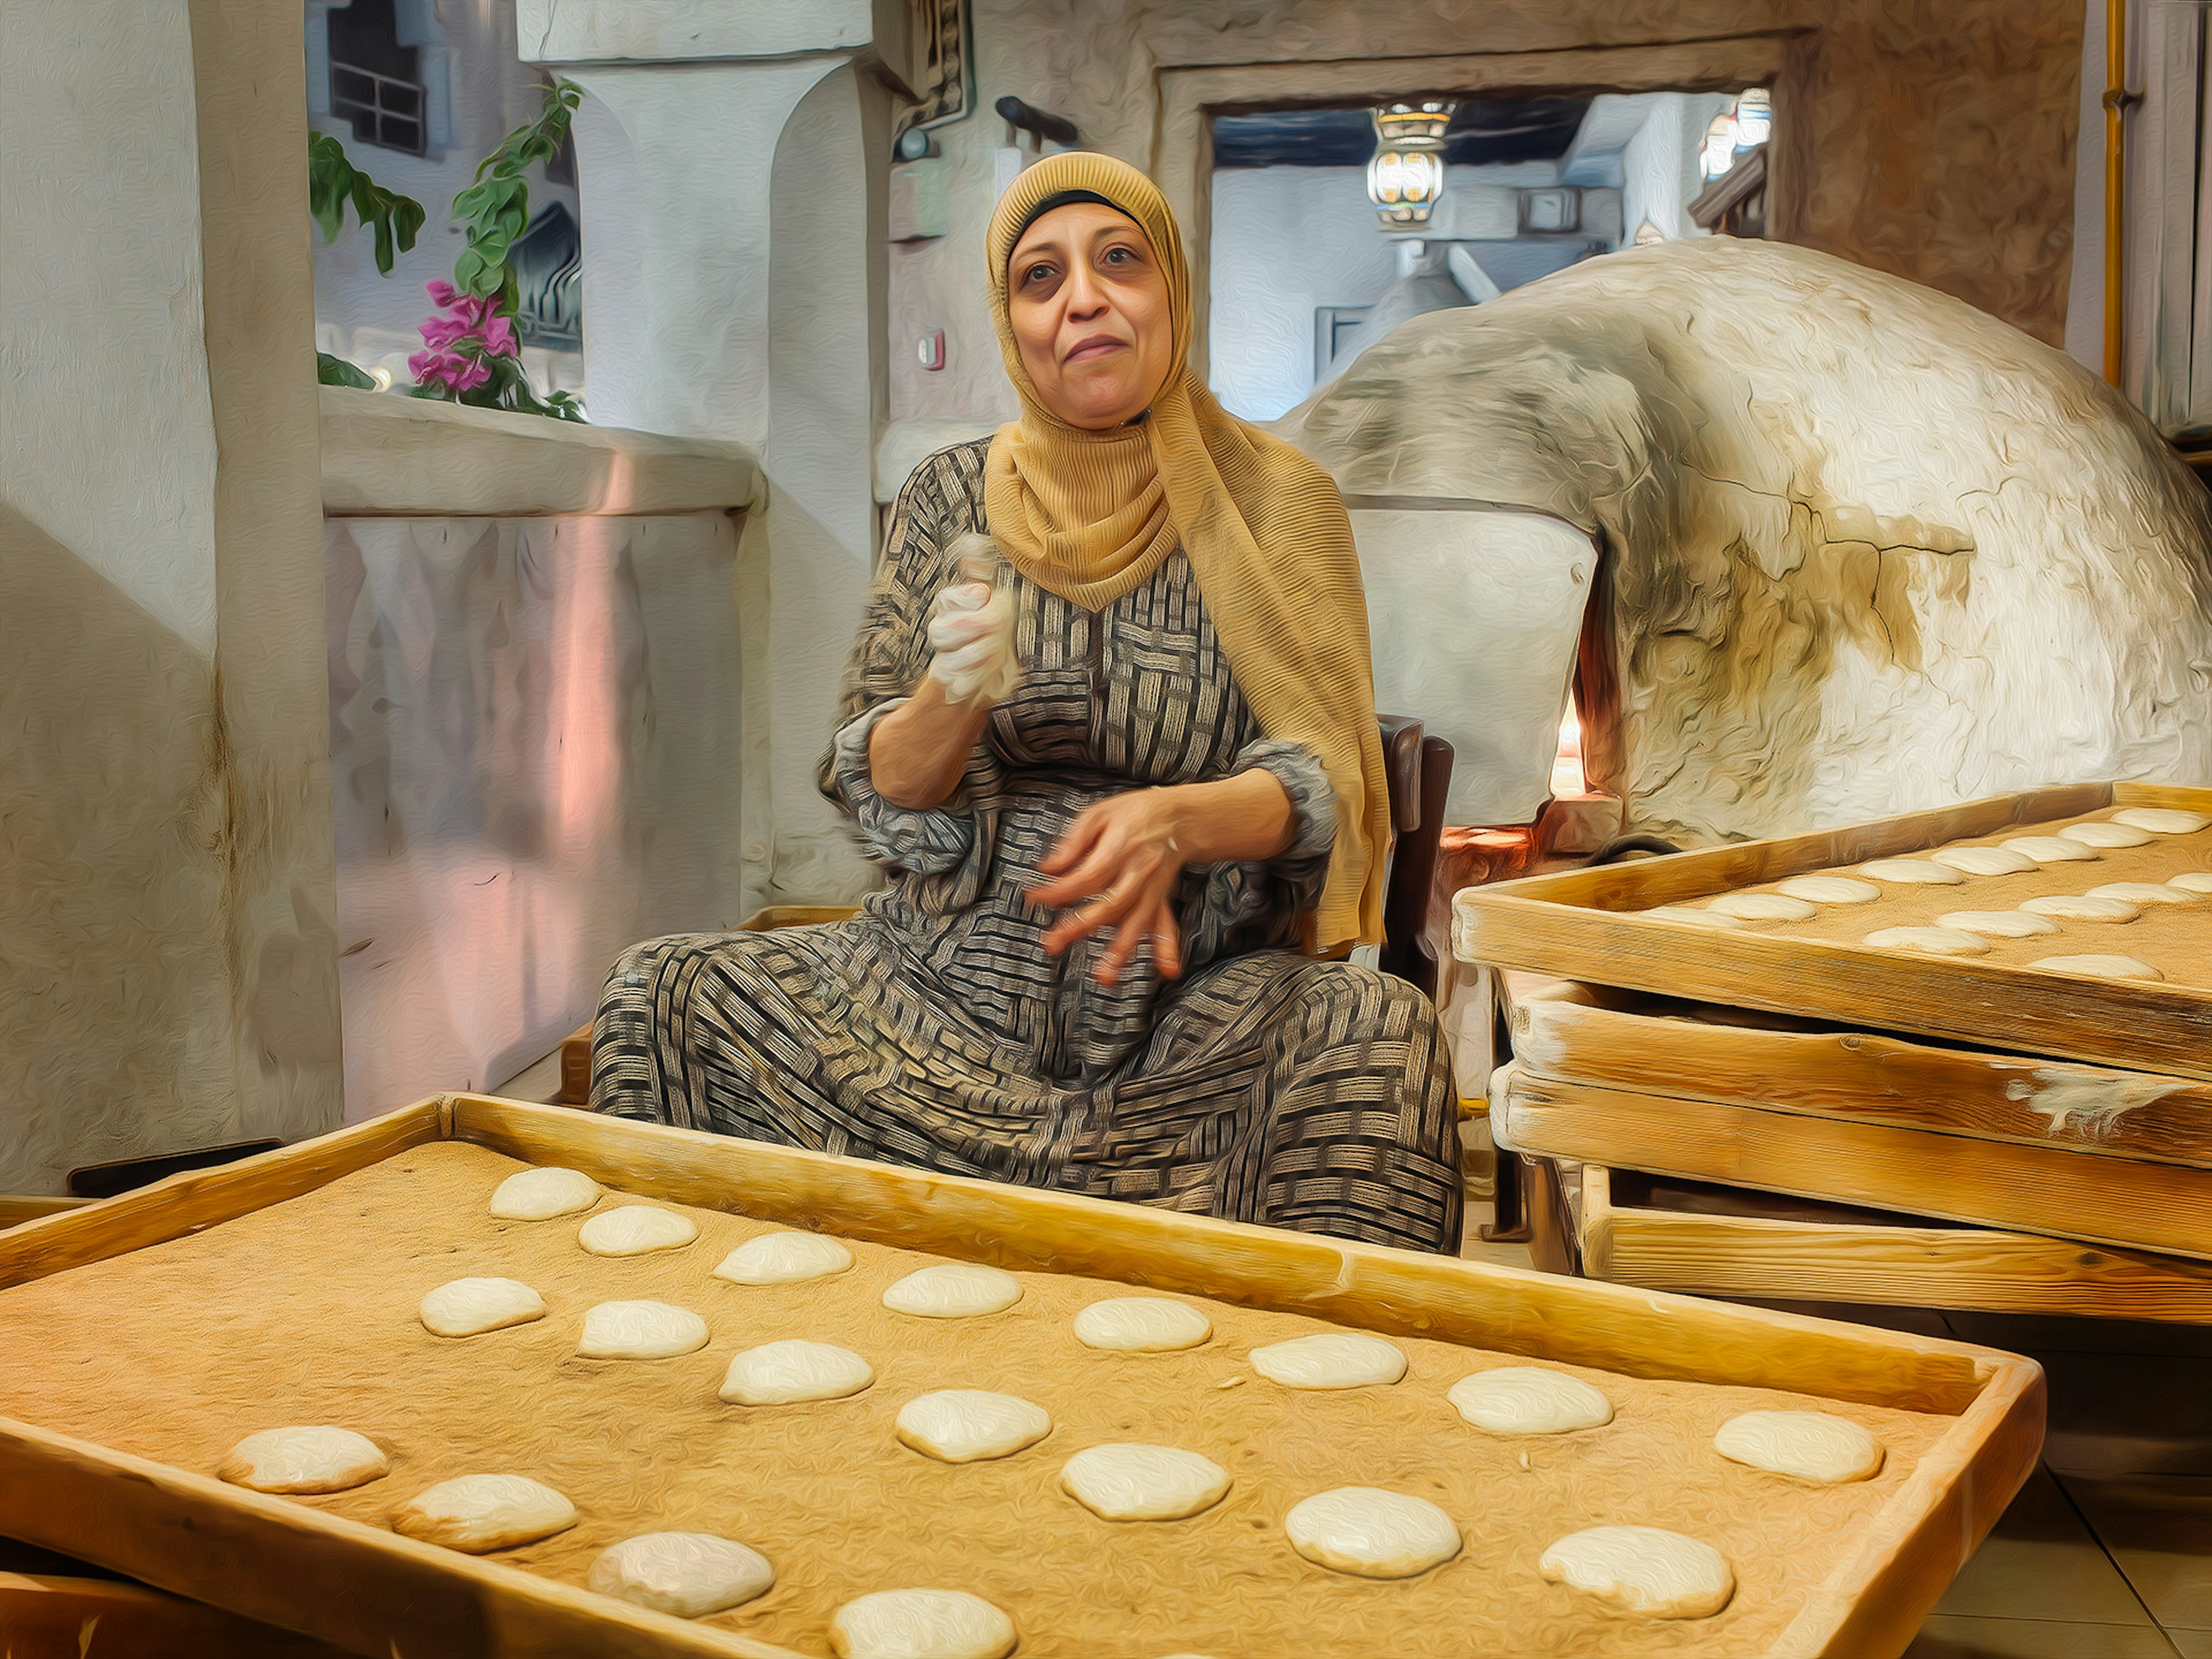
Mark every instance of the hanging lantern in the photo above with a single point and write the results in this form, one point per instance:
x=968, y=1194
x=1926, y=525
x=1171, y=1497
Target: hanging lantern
x=1405, y=179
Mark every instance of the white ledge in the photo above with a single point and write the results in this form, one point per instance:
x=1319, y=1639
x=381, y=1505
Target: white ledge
x=389, y=456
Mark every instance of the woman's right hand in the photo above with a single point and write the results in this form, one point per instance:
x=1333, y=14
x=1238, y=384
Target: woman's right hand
x=971, y=630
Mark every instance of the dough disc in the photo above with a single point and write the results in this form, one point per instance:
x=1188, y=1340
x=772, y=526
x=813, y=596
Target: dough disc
x=539, y=1194
x=1830, y=890
x=481, y=1512
x=2162, y=820
x=635, y=1230
x=1142, y=1324
x=1690, y=915
x=2099, y=967
x=640, y=1330
x=689, y=1574
x=1525, y=1400
x=1335, y=1359
x=1371, y=1533
x=1933, y=941
x=1130, y=1482
x=782, y=1373
x=1912, y=872
x=921, y=1624
x=1763, y=907
x=1812, y=1445
x=784, y=1259
x=319, y=1459
x=1998, y=924
x=966, y=1426
x=2103, y=833
x=2080, y=906
x=1662, y=1575
x=2142, y=892
x=954, y=1290
x=1983, y=861
x=470, y=1307
x=2192, y=881
x=2050, y=849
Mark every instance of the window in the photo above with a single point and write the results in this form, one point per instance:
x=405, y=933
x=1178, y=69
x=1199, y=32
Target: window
x=376, y=83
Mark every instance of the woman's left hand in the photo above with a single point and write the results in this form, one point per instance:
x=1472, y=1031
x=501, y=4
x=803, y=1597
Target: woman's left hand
x=1121, y=855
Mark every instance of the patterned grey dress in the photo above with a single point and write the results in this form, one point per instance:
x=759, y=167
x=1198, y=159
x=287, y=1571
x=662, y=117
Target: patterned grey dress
x=934, y=1029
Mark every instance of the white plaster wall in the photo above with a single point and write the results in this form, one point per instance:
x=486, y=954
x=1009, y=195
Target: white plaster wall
x=1660, y=172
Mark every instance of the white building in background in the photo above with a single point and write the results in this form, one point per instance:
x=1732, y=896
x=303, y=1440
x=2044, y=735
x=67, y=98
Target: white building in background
x=420, y=92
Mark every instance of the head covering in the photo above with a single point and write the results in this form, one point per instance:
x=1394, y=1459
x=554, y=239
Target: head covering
x=1091, y=515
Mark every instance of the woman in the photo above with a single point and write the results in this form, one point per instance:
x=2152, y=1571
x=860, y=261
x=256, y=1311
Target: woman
x=1120, y=764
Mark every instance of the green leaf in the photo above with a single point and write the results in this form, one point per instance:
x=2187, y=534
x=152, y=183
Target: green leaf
x=336, y=371
x=333, y=181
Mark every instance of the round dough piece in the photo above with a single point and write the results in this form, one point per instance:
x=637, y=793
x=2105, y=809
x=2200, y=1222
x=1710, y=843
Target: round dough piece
x=689, y=1574
x=2050, y=849
x=1334, y=1359
x=479, y=1513
x=1527, y=1399
x=1142, y=1324
x=1659, y=1574
x=2143, y=892
x=1812, y=1446
x=541, y=1195
x=1983, y=861
x=1998, y=924
x=782, y=1373
x=2098, y=967
x=1126, y=1481
x=1763, y=907
x=921, y=1624
x=967, y=1425
x=2080, y=906
x=1912, y=872
x=784, y=1259
x=636, y=1230
x=1371, y=1533
x=2101, y=833
x=2163, y=820
x=470, y=1307
x=1932, y=941
x=954, y=1290
x=1690, y=915
x=308, y=1459
x=1830, y=890
x=2192, y=881
x=640, y=1330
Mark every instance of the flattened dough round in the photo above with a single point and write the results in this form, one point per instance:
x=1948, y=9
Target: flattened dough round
x=478, y=1513
x=954, y=1290
x=1983, y=861
x=1371, y=1533
x=1932, y=941
x=2102, y=833
x=307, y=1459
x=636, y=1230
x=640, y=1330
x=541, y=1195
x=783, y=1373
x=967, y=1425
x=2192, y=881
x=1334, y=1360
x=2080, y=906
x=470, y=1307
x=1690, y=915
x=1763, y=907
x=1812, y=1446
x=2096, y=966
x=1142, y=1324
x=1830, y=890
x=2051, y=849
x=2143, y=892
x=921, y=1624
x=1659, y=1574
x=689, y=1574
x=784, y=1259
x=1527, y=1399
x=1124, y=1481
x=1998, y=924
x=1912, y=872
x=2163, y=820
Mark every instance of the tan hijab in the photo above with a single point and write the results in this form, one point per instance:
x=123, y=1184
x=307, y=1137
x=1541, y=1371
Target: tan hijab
x=1091, y=515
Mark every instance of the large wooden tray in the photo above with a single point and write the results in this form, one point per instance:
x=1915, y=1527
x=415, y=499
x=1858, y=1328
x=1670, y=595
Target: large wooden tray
x=1580, y=925
x=375, y=1592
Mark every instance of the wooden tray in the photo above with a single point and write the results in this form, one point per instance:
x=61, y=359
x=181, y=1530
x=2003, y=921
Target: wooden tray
x=1572, y=925
x=1633, y=1230
x=376, y=1592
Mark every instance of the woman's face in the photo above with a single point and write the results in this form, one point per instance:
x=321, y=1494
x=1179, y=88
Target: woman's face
x=1088, y=305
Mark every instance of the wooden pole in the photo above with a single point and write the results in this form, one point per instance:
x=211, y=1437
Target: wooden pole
x=2116, y=102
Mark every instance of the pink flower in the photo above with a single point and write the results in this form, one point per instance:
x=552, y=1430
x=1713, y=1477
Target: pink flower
x=499, y=338
x=449, y=368
x=440, y=333
x=442, y=292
